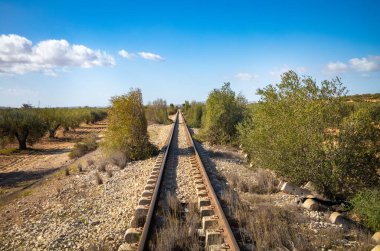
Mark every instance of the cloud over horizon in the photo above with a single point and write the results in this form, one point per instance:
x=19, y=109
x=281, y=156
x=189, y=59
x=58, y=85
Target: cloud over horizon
x=244, y=76
x=18, y=55
x=364, y=65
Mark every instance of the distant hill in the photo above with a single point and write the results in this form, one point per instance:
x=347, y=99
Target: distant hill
x=369, y=97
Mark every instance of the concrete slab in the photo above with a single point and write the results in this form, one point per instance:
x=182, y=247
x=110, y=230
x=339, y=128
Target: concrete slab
x=376, y=237
x=295, y=190
x=132, y=235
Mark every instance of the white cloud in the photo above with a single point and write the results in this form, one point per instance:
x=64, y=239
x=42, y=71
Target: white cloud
x=364, y=65
x=246, y=76
x=125, y=54
x=369, y=64
x=17, y=92
x=279, y=71
x=18, y=56
x=301, y=69
x=336, y=67
x=151, y=56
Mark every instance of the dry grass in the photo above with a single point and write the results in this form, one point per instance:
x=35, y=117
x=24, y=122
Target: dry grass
x=266, y=226
x=98, y=179
x=80, y=168
x=90, y=162
x=81, y=148
x=119, y=159
x=102, y=166
x=337, y=239
x=266, y=182
x=243, y=186
x=179, y=229
x=233, y=180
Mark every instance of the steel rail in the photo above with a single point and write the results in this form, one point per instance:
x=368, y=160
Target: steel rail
x=224, y=229
x=229, y=238
x=146, y=228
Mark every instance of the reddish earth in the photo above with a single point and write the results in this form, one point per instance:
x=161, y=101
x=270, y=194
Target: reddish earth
x=22, y=168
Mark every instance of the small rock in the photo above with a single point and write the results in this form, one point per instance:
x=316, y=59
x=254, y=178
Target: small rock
x=40, y=239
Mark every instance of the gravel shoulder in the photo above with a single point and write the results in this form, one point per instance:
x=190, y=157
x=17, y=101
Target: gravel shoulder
x=74, y=212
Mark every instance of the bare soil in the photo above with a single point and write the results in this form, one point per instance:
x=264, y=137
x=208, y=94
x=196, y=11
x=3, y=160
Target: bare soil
x=23, y=168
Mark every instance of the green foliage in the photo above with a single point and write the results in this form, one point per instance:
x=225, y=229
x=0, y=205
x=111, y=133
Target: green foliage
x=223, y=111
x=367, y=205
x=194, y=114
x=28, y=124
x=81, y=148
x=157, y=112
x=353, y=154
x=54, y=119
x=127, y=129
x=185, y=107
x=305, y=132
x=70, y=117
x=25, y=124
x=8, y=151
x=172, y=109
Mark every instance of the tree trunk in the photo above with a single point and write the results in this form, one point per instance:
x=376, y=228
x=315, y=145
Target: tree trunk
x=22, y=144
x=52, y=132
x=21, y=141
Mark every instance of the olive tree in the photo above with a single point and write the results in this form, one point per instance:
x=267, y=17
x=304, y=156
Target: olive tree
x=25, y=124
x=54, y=119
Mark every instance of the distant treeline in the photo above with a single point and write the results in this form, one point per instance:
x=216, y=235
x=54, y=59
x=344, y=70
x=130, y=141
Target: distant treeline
x=369, y=97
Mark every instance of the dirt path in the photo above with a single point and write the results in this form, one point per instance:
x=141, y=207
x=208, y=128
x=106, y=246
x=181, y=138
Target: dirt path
x=23, y=168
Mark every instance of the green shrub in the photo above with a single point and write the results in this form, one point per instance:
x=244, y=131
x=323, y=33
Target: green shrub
x=353, y=154
x=367, y=205
x=172, y=109
x=127, y=128
x=304, y=132
x=157, y=112
x=223, y=111
x=185, y=107
x=194, y=114
x=81, y=148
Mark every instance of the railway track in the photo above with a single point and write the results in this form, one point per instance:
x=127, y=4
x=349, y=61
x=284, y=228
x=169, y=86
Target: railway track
x=155, y=209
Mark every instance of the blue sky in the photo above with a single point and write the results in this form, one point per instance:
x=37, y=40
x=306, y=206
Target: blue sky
x=67, y=53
